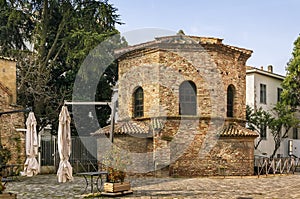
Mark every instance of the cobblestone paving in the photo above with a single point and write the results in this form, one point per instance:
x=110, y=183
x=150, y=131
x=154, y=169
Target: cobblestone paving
x=279, y=186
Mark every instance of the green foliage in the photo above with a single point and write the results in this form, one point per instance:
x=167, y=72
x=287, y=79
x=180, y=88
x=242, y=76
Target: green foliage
x=279, y=121
x=257, y=120
x=280, y=125
x=284, y=119
x=16, y=25
x=61, y=34
x=291, y=84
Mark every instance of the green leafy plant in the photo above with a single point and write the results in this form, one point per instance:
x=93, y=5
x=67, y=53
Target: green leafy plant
x=116, y=162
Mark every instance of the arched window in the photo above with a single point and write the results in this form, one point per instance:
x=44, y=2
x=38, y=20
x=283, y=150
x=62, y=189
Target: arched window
x=187, y=98
x=230, y=100
x=138, y=102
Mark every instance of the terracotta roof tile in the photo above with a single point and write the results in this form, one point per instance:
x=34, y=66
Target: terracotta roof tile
x=236, y=130
x=132, y=127
x=128, y=127
x=141, y=127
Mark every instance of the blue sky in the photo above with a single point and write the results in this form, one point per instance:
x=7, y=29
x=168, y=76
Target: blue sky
x=268, y=27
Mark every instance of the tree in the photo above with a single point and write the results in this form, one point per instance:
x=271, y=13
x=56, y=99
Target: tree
x=290, y=99
x=258, y=121
x=61, y=34
x=280, y=121
x=280, y=125
x=16, y=25
x=291, y=84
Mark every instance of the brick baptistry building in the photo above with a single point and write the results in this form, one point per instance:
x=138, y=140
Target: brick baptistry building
x=182, y=109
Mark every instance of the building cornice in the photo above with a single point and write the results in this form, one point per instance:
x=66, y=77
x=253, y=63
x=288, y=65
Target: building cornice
x=265, y=73
x=178, y=42
x=8, y=58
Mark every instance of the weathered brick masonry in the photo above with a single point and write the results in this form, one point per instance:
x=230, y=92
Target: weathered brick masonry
x=11, y=139
x=206, y=143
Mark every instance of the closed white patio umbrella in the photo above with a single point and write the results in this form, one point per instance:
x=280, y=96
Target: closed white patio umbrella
x=31, y=166
x=64, y=171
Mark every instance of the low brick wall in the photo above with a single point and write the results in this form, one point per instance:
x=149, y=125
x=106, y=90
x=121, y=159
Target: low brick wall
x=11, y=139
x=227, y=157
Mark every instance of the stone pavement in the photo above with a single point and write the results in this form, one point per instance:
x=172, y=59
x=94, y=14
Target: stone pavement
x=279, y=186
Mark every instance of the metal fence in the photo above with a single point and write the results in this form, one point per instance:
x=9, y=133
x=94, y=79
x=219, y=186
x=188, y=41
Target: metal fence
x=267, y=166
x=47, y=152
x=82, y=159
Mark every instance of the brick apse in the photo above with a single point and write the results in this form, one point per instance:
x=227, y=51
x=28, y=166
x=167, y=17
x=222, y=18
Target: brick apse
x=181, y=107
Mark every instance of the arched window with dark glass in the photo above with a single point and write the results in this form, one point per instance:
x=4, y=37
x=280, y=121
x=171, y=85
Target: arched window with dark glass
x=230, y=100
x=138, y=102
x=187, y=98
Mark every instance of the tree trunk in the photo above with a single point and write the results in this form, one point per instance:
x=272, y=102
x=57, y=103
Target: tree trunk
x=277, y=145
x=257, y=144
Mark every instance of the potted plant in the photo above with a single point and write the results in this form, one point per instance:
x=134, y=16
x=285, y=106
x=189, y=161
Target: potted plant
x=116, y=162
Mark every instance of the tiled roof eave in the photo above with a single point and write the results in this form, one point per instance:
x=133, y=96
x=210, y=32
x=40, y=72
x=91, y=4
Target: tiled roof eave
x=124, y=128
x=237, y=136
x=8, y=58
x=242, y=50
x=156, y=44
x=234, y=130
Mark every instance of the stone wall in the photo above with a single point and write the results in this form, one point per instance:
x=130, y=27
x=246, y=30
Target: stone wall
x=188, y=145
x=139, y=71
x=138, y=150
x=160, y=73
x=11, y=139
x=227, y=157
x=8, y=76
x=191, y=147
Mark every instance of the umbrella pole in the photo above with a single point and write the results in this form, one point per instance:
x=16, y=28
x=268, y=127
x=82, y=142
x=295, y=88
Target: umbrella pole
x=112, y=126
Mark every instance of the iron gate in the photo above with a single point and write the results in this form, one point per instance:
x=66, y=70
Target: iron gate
x=81, y=158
